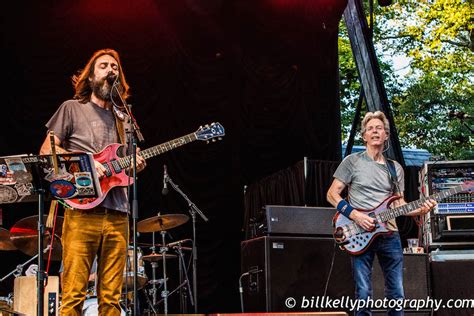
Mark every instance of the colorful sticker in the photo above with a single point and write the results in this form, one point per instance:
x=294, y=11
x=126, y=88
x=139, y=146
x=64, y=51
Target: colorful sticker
x=8, y=179
x=84, y=183
x=24, y=189
x=62, y=189
x=85, y=191
x=7, y=194
x=21, y=176
x=15, y=164
x=62, y=174
x=3, y=170
x=83, y=179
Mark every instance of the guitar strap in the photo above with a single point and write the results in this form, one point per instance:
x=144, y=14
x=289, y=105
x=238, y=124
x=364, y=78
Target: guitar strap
x=393, y=174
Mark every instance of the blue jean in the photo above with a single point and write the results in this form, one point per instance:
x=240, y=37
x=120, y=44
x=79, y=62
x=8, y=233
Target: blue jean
x=389, y=251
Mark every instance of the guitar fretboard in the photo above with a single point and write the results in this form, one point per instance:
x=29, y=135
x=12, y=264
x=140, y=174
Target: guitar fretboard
x=158, y=149
x=409, y=207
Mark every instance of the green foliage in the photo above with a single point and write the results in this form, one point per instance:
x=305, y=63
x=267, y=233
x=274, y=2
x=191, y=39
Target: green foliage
x=435, y=36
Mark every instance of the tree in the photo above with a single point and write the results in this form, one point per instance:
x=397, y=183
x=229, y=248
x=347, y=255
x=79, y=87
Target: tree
x=436, y=37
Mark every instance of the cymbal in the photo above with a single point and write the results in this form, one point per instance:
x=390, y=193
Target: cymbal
x=161, y=222
x=5, y=242
x=24, y=235
x=154, y=257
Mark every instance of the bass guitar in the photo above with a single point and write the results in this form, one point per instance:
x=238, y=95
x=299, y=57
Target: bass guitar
x=117, y=166
x=355, y=240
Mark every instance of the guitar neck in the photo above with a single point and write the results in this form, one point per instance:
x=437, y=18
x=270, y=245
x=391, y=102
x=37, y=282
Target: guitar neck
x=159, y=149
x=409, y=207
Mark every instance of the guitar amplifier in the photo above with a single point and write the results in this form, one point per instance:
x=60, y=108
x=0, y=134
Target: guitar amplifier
x=280, y=220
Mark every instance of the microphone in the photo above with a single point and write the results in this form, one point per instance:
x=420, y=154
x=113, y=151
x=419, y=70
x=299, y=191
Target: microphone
x=182, y=241
x=165, y=180
x=111, y=78
x=459, y=115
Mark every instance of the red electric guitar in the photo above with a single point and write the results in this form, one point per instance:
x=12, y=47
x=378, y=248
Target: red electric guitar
x=355, y=240
x=117, y=166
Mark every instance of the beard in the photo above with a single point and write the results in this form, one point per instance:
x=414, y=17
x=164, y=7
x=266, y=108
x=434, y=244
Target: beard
x=101, y=89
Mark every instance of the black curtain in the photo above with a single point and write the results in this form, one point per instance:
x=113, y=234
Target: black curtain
x=266, y=70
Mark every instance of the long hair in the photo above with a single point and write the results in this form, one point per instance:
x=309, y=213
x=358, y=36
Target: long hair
x=81, y=83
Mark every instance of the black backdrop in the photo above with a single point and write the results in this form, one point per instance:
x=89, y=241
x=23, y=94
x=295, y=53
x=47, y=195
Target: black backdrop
x=266, y=70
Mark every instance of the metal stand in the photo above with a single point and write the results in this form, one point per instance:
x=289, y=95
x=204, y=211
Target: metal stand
x=163, y=251
x=137, y=132
x=183, y=274
x=19, y=268
x=193, y=209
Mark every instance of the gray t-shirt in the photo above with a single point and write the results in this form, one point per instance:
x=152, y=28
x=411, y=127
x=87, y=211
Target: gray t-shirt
x=88, y=127
x=368, y=181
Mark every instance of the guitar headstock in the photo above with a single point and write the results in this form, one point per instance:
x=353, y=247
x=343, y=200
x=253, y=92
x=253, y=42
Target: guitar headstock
x=210, y=131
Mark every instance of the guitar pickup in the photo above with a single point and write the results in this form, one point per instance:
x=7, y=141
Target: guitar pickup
x=108, y=172
x=116, y=166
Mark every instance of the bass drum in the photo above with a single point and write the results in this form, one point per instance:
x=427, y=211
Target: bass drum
x=91, y=308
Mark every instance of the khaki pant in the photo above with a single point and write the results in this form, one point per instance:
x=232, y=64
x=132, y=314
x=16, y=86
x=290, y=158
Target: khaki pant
x=85, y=234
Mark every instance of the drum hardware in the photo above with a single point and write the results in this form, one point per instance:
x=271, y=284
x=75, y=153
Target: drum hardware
x=182, y=274
x=19, y=268
x=6, y=304
x=158, y=282
x=164, y=292
x=130, y=271
x=193, y=209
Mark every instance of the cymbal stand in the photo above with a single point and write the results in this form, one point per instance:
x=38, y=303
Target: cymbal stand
x=19, y=268
x=193, y=209
x=154, y=265
x=163, y=250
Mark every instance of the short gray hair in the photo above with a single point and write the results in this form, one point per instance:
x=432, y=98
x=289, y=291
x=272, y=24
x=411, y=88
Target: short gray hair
x=375, y=115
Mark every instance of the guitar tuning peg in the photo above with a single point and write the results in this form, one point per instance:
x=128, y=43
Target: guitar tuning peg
x=200, y=126
x=213, y=140
x=207, y=142
x=219, y=138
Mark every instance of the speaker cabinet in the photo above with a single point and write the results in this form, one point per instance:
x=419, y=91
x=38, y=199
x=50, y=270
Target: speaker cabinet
x=453, y=279
x=25, y=295
x=297, y=267
x=416, y=281
x=280, y=267
x=415, y=277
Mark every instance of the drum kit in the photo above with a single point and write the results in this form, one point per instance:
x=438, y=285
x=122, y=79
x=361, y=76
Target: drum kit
x=23, y=236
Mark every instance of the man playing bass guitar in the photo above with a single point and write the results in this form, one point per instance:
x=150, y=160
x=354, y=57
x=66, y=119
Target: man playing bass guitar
x=88, y=123
x=371, y=179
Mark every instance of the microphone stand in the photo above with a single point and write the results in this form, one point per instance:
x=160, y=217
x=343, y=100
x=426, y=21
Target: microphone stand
x=135, y=132
x=193, y=209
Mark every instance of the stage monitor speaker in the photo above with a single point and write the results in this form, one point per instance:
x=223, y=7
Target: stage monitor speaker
x=297, y=267
x=298, y=220
x=25, y=295
x=452, y=280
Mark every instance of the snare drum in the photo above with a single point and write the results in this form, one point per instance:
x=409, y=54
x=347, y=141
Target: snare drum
x=130, y=271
